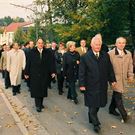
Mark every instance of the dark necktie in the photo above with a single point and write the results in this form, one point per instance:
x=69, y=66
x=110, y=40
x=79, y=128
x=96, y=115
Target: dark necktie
x=97, y=55
x=40, y=54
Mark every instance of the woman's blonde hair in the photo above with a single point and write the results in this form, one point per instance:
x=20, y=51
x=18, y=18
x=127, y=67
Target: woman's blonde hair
x=69, y=44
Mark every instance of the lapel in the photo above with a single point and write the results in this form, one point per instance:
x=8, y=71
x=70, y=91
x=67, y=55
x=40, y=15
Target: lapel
x=91, y=54
x=117, y=53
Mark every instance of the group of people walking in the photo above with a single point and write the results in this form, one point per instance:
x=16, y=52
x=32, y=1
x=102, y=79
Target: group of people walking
x=94, y=67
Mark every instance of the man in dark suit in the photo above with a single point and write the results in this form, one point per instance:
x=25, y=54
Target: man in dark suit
x=53, y=49
x=39, y=67
x=95, y=71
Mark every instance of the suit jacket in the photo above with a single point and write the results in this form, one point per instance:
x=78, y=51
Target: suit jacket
x=79, y=50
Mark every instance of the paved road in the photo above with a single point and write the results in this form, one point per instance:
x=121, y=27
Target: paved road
x=8, y=125
x=62, y=116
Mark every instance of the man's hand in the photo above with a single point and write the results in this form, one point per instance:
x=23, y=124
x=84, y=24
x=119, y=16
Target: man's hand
x=78, y=62
x=53, y=75
x=26, y=77
x=82, y=88
x=130, y=80
x=113, y=84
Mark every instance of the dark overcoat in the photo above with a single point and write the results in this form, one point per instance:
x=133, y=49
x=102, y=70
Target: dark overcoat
x=70, y=66
x=39, y=70
x=94, y=74
x=59, y=62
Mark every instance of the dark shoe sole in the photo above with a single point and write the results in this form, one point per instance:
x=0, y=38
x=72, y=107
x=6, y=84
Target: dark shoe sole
x=113, y=113
x=14, y=94
x=38, y=109
x=97, y=129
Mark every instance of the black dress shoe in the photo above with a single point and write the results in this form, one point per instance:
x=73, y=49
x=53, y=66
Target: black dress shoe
x=114, y=113
x=18, y=92
x=97, y=128
x=6, y=87
x=68, y=97
x=76, y=101
x=42, y=107
x=38, y=109
x=60, y=93
x=126, y=119
x=14, y=93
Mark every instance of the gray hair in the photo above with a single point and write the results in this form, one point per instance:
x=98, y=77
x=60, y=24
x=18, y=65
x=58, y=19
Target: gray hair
x=119, y=38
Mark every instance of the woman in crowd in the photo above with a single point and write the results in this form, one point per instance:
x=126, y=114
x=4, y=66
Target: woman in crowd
x=70, y=69
x=59, y=66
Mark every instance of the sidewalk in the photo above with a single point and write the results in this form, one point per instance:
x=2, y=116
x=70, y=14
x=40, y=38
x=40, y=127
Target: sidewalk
x=22, y=118
x=8, y=125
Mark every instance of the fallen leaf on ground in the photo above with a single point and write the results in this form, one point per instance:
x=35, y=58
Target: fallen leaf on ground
x=76, y=113
x=113, y=126
x=69, y=122
x=85, y=130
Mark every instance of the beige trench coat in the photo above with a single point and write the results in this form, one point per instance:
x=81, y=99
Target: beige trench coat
x=16, y=62
x=3, y=61
x=134, y=59
x=123, y=68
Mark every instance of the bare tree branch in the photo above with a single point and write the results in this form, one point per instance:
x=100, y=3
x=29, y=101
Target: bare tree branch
x=25, y=7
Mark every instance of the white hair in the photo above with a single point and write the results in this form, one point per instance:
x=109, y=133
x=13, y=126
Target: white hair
x=96, y=38
x=120, y=38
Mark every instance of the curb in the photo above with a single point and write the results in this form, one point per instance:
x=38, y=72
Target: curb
x=12, y=102
x=15, y=116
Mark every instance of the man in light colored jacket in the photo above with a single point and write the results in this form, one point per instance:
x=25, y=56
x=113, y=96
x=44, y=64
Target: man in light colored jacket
x=122, y=62
x=15, y=64
x=82, y=49
x=3, y=66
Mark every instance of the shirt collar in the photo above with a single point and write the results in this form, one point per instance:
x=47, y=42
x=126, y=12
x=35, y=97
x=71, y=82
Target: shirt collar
x=119, y=51
x=40, y=50
x=96, y=53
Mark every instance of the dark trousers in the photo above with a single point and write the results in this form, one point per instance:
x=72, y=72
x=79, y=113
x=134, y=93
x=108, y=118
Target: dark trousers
x=28, y=82
x=3, y=75
x=92, y=114
x=60, y=79
x=71, y=90
x=51, y=80
x=16, y=89
x=117, y=102
x=39, y=102
x=7, y=79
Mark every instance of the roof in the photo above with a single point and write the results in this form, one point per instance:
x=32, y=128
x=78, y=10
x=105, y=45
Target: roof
x=14, y=26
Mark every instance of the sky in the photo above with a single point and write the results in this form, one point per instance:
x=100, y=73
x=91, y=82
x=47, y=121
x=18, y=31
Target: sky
x=6, y=9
